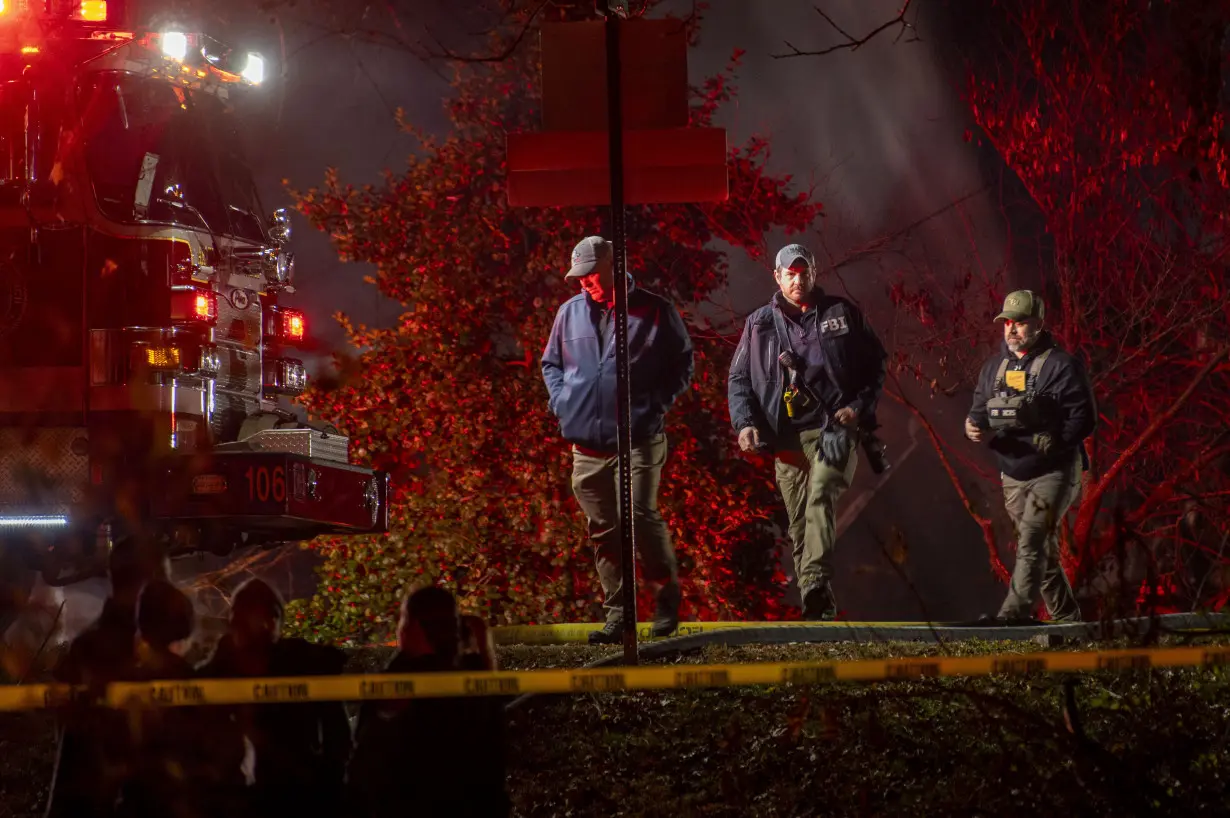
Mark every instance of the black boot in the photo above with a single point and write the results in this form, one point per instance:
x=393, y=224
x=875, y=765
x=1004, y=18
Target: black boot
x=612, y=633
x=818, y=604
x=666, y=613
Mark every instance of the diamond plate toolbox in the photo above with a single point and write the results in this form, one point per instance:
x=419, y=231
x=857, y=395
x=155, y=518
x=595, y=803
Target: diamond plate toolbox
x=42, y=467
x=307, y=442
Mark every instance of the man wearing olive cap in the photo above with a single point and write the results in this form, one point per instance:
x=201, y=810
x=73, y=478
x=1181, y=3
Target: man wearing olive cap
x=1034, y=407
x=804, y=383
x=578, y=366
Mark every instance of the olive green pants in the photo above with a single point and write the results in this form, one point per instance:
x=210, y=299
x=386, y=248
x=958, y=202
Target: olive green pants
x=1037, y=507
x=811, y=488
x=595, y=485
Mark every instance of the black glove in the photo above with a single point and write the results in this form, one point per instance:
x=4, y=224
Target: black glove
x=835, y=446
x=1043, y=442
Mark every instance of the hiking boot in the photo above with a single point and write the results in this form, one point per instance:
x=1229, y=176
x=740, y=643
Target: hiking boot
x=666, y=613
x=819, y=605
x=612, y=633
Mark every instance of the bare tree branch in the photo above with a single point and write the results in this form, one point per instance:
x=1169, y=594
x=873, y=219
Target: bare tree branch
x=1089, y=507
x=499, y=56
x=855, y=43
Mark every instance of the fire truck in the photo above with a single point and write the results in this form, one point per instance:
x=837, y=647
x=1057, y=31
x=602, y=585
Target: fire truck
x=145, y=361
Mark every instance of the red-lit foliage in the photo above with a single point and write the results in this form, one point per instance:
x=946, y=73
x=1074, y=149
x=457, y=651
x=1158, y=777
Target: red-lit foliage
x=451, y=399
x=1110, y=116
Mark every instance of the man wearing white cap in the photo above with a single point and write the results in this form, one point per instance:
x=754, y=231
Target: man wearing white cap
x=804, y=383
x=578, y=366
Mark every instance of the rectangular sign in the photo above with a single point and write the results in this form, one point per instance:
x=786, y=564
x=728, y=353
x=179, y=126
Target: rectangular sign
x=654, y=75
x=660, y=167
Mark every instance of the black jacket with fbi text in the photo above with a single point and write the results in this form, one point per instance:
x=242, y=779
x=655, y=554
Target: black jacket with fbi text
x=854, y=366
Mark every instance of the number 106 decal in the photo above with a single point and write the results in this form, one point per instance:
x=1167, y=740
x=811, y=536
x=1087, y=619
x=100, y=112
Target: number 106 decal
x=265, y=483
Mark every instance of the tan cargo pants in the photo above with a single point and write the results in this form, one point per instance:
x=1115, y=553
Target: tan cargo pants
x=595, y=485
x=1037, y=507
x=811, y=488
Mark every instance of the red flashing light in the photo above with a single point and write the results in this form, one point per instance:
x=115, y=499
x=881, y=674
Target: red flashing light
x=204, y=307
x=286, y=326
x=191, y=305
x=293, y=325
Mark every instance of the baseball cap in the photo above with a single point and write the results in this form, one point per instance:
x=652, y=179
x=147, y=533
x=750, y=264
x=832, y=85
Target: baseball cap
x=793, y=252
x=1022, y=304
x=588, y=255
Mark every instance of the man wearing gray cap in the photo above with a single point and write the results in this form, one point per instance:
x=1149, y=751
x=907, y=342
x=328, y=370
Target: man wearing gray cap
x=804, y=383
x=1034, y=407
x=578, y=366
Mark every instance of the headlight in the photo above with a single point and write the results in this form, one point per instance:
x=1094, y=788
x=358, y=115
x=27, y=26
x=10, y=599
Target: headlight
x=286, y=267
x=279, y=267
x=254, y=71
x=285, y=376
x=210, y=363
x=175, y=45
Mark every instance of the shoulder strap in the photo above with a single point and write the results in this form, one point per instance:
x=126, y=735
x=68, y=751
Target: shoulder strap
x=999, y=374
x=1035, y=369
x=779, y=323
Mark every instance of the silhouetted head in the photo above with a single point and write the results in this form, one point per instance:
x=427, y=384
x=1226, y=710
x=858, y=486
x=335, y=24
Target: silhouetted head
x=434, y=611
x=256, y=614
x=164, y=615
x=131, y=564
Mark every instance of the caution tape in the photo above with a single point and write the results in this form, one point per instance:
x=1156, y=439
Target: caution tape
x=578, y=633
x=510, y=683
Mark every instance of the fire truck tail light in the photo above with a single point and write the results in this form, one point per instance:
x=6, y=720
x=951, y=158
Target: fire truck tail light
x=286, y=326
x=91, y=11
x=193, y=305
x=285, y=376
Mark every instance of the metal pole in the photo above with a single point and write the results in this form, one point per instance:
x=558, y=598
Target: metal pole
x=623, y=414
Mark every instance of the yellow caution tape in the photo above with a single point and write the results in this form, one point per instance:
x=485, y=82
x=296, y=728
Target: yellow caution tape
x=579, y=632
x=658, y=677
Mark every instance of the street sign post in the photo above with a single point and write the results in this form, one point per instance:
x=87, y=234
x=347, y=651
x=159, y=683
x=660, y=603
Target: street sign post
x=634, y=149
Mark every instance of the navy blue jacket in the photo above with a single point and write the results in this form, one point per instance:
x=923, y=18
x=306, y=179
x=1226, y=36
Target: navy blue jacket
x=1067, y=410
x=580, y=374
x=854, y=360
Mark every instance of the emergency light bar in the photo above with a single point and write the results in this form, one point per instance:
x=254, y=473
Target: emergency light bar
x=81, y=11
x=198, y=51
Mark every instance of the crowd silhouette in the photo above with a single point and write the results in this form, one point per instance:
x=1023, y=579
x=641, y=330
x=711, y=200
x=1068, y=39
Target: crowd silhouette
x=421, y=757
